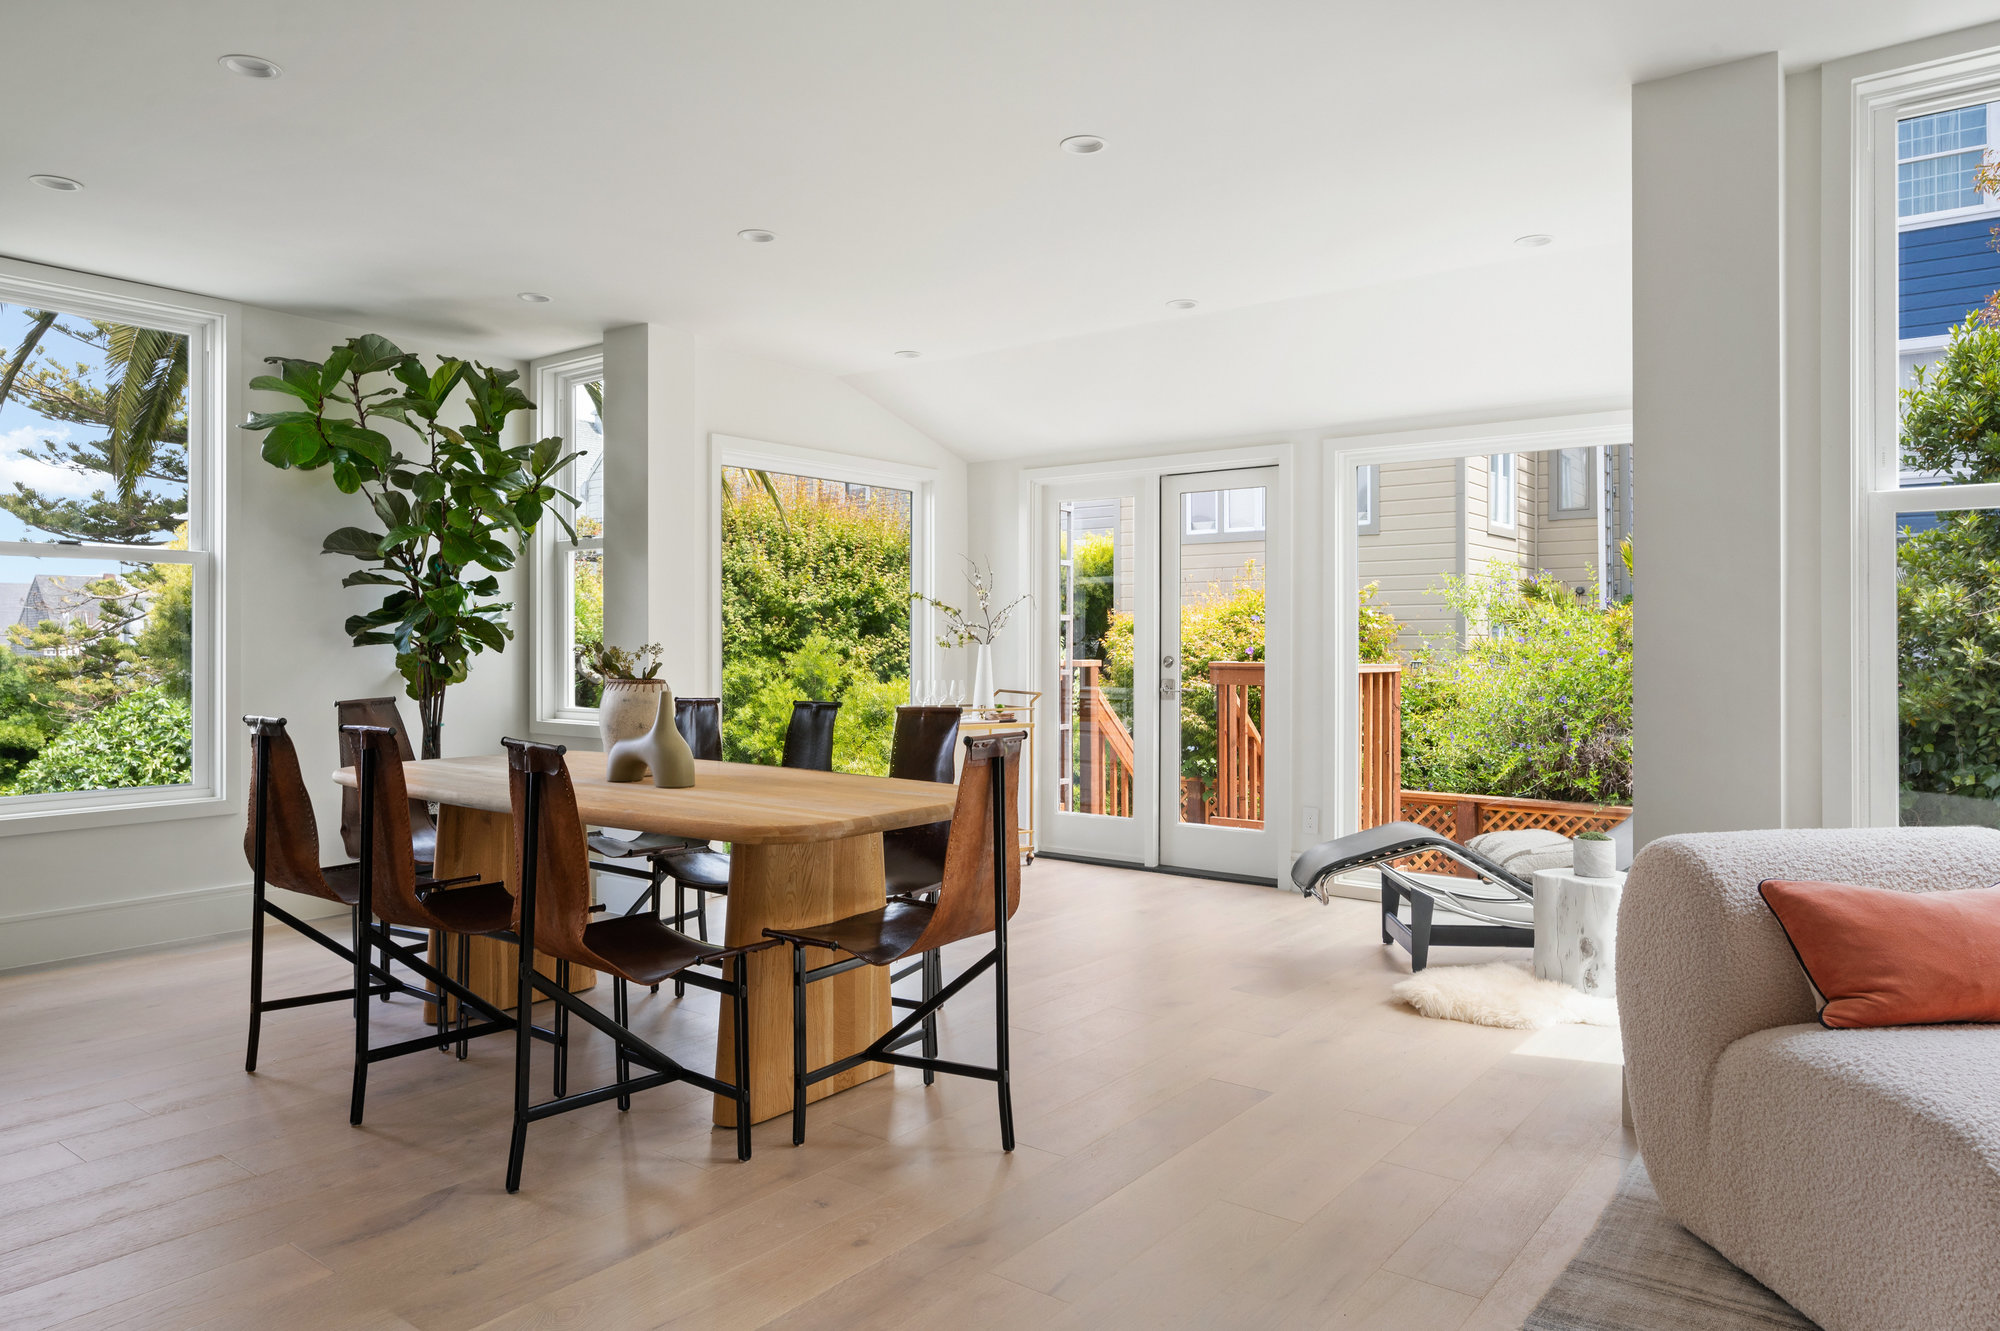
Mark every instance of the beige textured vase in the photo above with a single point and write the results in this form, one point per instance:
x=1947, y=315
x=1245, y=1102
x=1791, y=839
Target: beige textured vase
x=629, y=708
x=660, y=750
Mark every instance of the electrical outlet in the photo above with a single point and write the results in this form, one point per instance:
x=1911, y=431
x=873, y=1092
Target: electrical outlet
x=1309, y=821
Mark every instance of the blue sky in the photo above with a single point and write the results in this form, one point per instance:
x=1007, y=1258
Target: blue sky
x=21, y=428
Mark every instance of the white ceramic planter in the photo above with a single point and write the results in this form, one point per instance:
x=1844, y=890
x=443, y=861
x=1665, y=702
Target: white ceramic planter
x=1594, y=859
x=628, y=709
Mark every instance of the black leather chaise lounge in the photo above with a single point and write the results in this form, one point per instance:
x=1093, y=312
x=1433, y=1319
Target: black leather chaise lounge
x=1499, y=905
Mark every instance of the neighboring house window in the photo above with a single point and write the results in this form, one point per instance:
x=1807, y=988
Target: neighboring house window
x=1367, y=501
x=1574, y=486
x=109, y=687
x=1501, y=501
x=1199, y=511
x=569, y=592
x=1937, y=162
x=1223, y=515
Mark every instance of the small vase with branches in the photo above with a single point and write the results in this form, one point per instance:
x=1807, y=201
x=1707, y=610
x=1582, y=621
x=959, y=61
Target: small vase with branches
x=977, y=627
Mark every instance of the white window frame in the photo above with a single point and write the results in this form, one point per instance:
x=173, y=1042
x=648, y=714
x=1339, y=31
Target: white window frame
x=1592, y=488
x=209, y=328
x=1512, y=467
x=919, y=482
x=550, y=596
x=1864, y=98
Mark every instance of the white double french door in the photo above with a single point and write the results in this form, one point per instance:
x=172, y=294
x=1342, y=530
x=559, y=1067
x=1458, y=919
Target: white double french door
x=1165, y=670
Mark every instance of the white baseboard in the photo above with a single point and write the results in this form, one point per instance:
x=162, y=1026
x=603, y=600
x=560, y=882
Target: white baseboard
x=69, y=933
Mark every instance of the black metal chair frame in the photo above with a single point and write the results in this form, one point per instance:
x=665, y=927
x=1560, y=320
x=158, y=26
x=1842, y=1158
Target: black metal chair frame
x=382, y=983
x=921, y=1023
x=630, y=1046
x=450, y=1031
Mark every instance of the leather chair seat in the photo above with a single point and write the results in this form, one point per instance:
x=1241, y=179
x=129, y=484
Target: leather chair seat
x=705, y=869
x=878, y=937
x=345, y=880
x=642, y=949
x=476, y=908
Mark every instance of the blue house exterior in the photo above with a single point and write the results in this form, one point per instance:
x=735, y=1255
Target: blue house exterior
x=1944, y=271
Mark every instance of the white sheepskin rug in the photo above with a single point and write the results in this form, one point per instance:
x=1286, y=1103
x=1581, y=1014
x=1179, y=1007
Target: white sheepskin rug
x=1502, y=993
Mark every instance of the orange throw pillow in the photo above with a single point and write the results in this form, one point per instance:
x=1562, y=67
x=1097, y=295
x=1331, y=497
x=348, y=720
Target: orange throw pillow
x=1887, y=958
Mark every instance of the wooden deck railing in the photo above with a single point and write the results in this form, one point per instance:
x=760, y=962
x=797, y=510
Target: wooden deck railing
x=1239, y=746
x=1381, y=744
x=1104, y=748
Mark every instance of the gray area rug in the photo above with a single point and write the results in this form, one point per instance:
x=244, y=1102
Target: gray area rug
x=1640, y=1271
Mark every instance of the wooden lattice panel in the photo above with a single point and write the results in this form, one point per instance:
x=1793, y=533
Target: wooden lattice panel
x=1439, y=811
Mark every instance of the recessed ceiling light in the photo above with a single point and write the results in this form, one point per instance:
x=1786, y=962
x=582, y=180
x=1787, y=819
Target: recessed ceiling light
x=1182, y=304
x=61, y=184
x=1083, y=144
x=250, y=66
x=908, y=355
x=533, y=298
x=1534, y=242
x=757, y=236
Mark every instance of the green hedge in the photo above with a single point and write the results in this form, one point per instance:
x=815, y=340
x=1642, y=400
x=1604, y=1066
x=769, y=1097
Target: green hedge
x=815, y=604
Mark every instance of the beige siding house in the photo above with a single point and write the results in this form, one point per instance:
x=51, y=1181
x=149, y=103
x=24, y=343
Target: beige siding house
x=1431, y=519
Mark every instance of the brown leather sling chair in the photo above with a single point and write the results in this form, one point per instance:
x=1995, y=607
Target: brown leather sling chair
x=980, y=890
x=552, y=918
x=393, y=894
x=281, y=842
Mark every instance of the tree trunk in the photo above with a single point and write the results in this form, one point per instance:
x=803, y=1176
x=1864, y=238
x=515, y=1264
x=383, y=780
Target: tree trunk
x=430, y=708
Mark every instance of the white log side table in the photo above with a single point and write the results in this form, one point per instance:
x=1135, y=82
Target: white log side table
x=1576, y=930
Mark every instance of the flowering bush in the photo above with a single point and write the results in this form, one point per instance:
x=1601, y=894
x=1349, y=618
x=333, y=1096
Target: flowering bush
x=1537, y=704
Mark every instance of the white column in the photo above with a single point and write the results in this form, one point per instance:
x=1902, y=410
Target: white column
x=1708, y=355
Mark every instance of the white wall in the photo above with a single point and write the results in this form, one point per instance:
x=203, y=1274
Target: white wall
x=74, y=893
x=657, y=442
x=1709, y=697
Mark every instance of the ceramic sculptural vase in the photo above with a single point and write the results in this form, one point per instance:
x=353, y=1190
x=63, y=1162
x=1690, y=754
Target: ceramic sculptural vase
x=661, y=750
x=628, y=709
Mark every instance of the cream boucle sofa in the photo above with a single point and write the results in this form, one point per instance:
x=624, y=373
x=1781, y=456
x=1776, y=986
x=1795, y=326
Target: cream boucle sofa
x=1856, y=1173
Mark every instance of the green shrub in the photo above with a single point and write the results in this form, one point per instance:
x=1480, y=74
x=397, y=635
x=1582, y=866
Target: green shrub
x=758, y=693
x=1538, y=704
x=1096, y=568
x=145, y=738
x=1378, y=629
x=1948, y=632
x=830, y=569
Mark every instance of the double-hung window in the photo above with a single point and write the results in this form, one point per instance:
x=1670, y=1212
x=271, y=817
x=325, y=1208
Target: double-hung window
x=109, y=590
x=1938, y=158
x=1574, y=486
x=568, y=593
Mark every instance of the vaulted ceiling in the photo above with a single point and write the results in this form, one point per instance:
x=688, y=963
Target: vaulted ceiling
x=1339, y=185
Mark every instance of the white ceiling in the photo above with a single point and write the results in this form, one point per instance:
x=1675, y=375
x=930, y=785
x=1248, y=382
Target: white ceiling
x=1324, y=176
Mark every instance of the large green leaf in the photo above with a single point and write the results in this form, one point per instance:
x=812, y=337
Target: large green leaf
x=271, y=383
x=374, y=353
x=356, y=541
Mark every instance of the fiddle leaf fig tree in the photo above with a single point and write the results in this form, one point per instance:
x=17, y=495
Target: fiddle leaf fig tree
x=451, y=516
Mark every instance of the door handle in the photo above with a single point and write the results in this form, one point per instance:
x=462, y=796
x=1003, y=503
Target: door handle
x=1170, y=688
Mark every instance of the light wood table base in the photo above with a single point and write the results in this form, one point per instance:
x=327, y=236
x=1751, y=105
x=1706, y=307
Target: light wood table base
x=778, y=887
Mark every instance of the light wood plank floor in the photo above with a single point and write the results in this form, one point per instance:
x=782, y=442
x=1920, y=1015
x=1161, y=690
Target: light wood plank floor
x=1224, y=1122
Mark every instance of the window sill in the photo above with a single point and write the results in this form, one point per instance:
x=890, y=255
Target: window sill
x=565, y=727
x=32, y=820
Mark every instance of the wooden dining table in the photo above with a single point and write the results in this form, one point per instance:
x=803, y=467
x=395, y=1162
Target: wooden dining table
x=805, y=848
